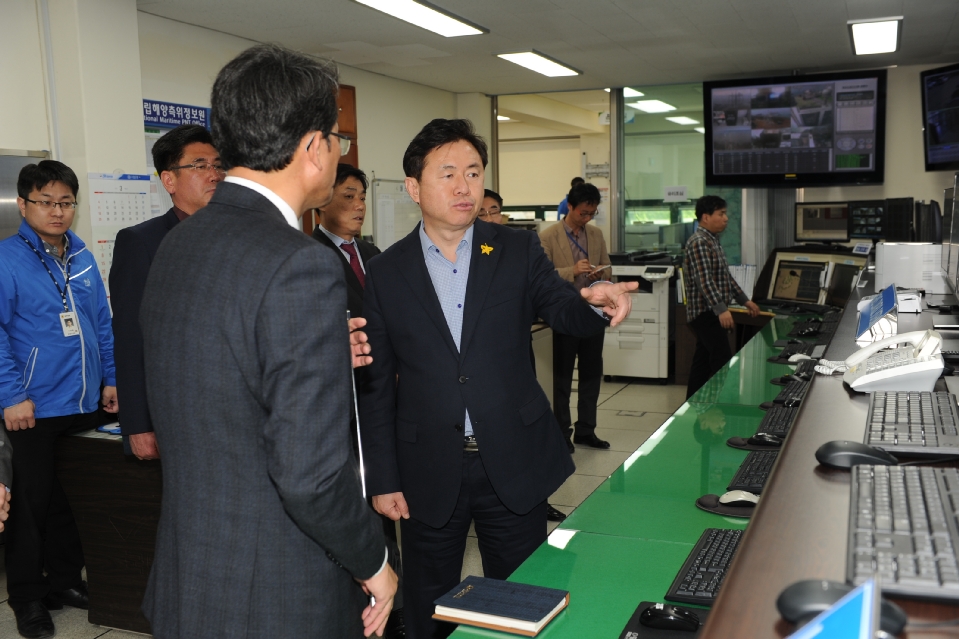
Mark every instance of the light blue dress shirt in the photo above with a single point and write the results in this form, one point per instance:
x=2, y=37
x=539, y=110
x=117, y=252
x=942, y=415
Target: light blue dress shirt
x=449, y=282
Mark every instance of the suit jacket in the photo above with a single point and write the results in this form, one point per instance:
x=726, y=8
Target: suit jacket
x=132, y=255
x=6, y=459
x=412, y=426
x=248, y=371
x=354, y=290
x=556, y=245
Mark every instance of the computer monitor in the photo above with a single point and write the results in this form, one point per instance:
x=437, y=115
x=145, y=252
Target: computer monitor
x=843, y=278
x=940, y=117
x=866, y=219
x=798, y=281
x=822, y=222
x=952, y=275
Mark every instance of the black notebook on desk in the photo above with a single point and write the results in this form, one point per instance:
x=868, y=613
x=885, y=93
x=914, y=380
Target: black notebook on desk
x=506, y=606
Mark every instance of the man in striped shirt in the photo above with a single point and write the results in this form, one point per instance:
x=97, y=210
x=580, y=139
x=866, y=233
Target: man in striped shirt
x=709, y=288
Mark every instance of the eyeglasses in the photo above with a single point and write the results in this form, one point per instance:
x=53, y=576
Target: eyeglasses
x=490, y=212
x=344, y=143
x=47, y=205
x=202, y=167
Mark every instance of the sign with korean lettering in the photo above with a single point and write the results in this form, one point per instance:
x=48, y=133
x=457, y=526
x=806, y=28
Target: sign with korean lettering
x=171, y=114
x=674, y=194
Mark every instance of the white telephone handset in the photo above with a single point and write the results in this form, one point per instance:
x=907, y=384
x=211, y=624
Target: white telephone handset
x=915, y=366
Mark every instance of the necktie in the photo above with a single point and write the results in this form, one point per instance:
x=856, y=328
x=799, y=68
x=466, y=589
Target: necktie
x=355, y=262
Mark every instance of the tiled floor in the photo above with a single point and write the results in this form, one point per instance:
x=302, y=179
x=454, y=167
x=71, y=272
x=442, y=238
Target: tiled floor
x=628, y=414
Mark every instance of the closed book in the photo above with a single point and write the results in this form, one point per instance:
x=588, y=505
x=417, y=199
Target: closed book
x=519, y=609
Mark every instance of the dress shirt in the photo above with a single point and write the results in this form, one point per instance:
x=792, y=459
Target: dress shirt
x=338, y=242
x=709, y=285
x=449, y=281
x=54, y=251
x=288, y=214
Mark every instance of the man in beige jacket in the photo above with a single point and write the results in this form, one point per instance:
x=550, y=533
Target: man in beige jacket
x=578, y=251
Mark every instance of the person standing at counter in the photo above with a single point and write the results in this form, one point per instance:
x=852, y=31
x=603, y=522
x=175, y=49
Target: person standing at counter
x=455, y=427
x=576, y=249
x=189, y=169
x=56, y=352
x=709, y=288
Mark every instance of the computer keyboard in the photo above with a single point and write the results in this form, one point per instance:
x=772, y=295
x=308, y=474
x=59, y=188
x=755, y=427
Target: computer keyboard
x=832, y=317
x=815, y=351
x=703, y=572
x=805, y=326
x=776, y=421
x=903, y=528
x=916, y=422
x=754, y=471
x=806, y=367
x=794, y=390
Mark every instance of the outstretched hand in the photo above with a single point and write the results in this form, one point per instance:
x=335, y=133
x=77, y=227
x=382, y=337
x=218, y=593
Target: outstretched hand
x=613, y=299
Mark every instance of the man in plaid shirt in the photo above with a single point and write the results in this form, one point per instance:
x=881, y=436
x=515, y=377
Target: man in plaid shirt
x=709, y=287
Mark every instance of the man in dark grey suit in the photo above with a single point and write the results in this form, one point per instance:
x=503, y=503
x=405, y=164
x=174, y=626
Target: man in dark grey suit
x=264, y=531
x=189, y=169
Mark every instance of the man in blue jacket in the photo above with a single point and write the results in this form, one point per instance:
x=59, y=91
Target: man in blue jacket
x=56, y=353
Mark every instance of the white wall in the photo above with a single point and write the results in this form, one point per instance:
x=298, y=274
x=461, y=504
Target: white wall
x=905, y=168
x=537, y=172
x=23, y=103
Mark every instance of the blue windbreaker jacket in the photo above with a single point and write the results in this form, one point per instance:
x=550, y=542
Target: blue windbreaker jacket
x=62, y=375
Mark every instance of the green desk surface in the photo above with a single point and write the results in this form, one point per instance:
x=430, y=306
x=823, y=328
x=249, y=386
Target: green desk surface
x=653, y=494
x=607, y=577
x=744, y=381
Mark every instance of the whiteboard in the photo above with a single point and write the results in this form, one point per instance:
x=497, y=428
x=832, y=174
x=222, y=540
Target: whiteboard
x=395, y=214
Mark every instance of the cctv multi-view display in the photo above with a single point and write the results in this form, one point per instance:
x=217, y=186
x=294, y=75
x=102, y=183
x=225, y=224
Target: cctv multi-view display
x=796, y=130
x=940, y=117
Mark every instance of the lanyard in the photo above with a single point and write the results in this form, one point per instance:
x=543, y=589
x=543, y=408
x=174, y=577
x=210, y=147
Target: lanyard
x=571, y=239
x=66, y=277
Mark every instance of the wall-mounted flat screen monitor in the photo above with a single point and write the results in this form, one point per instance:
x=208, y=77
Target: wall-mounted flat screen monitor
x=798, y=281
x=940, y=117
x=822, y=222
x=812, y=130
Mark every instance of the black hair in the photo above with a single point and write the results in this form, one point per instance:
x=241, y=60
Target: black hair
x=168, y=150
x=709, y=204
x=345, y=171
x=436, y=134
x=265, y=101
x=575, y=181
x=36, y=176
x=582, y=193
x=493, y=194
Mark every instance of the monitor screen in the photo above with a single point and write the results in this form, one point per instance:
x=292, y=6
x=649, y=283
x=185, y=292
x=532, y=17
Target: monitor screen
x=940, y=117
x=844, y=277
x=952, y=274
x=796, y=130
x=798, y=281
x=865, y=219
x=946, y=235
x=822, y=222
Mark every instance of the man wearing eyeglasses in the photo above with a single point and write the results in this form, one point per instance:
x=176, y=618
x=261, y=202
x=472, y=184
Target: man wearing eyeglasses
x=578, y=251
x=56, y=353
x=189, y=169
x=492, y=208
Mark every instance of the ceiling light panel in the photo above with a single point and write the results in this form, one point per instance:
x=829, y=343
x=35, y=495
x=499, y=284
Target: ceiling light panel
x=700, y=129
x=682, y=119
x=426, y=17
x=629, y=93
x=502, y=118
x=652, y=106
x=535, y=61
x=875, y=36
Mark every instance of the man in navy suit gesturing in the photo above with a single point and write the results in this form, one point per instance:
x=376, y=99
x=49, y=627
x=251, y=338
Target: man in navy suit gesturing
x=455, y=427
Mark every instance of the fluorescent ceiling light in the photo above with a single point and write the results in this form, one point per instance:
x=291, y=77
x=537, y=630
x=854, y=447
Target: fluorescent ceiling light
x=425, y=16
x=700, y=129
x=629, y=93
x=652, y=106
x=502, y=118
x=539, y=63
x=875, y=36
x=682, y=119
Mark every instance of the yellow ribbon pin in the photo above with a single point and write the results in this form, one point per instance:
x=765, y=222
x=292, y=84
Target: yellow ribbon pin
x=486, y=249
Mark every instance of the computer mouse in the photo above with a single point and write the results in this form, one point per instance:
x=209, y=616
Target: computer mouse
x=766, y=405
x=808, y=332
x=803, y=600
x=795, y=341
x=739, y=498
x=765, y=439
x=669, y=617
x=846, y=454
x=792, y=402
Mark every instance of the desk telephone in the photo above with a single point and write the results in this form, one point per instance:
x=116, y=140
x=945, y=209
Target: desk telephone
x=915, y=366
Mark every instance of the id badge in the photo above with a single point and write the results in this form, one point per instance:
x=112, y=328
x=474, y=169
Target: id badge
x=70, y=324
